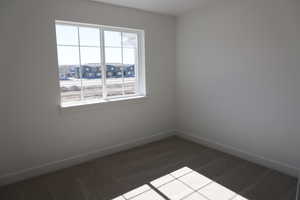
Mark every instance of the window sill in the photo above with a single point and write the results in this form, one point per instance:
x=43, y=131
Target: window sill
x=133, y=99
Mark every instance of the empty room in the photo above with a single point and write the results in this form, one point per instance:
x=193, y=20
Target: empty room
x=150, y=100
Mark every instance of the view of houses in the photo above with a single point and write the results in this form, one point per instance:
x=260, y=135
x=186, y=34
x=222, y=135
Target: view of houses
x=93, y=71
x=86, y=81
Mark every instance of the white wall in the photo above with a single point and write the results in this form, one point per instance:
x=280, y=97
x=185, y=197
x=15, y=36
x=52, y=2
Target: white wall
x=238, y=76
x=3, y=78
x=37, y=132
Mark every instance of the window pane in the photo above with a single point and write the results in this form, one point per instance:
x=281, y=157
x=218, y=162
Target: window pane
x=130, y=40
x=68, y=55
x=90, y=55
x=70, y=83
x=112, y=38
x=129, y=80
x=89, y=36
x=66, y=35
x=128, y=56
x=113, y=55
x=114, y=80
x=91, y=81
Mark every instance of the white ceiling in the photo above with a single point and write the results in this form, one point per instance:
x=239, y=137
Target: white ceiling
x=170, y=7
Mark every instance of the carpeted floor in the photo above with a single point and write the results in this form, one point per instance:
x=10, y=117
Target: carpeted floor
x=200, y=173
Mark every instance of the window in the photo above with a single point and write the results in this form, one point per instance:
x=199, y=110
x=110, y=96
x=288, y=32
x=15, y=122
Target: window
x=99, y=63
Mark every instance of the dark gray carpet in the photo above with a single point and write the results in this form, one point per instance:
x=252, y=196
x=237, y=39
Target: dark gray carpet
x=111, y=176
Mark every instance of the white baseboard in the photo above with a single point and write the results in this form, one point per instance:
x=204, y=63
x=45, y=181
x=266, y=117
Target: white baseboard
x=273, y=164
x=68, y=162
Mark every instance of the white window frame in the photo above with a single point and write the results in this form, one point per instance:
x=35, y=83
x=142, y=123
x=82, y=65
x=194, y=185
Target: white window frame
x=139, y=64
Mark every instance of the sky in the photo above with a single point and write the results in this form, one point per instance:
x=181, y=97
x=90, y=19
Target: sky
x=119, y=47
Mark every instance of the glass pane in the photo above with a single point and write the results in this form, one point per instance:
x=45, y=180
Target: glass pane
x=66, y=35
x=68, y=55
x=129, y=79
x=91, y=81
x=113, y=55
x=128, y=56
x=112, y=38
x=90, y=55
x=130, y=40
x=114, y=80
x=70, y=83
x=89, y=36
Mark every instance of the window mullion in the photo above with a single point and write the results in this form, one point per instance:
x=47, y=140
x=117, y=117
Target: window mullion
x=80, y=72
x=136, y=67
x=103, y=62
x=122, y=65
x=140, y=70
